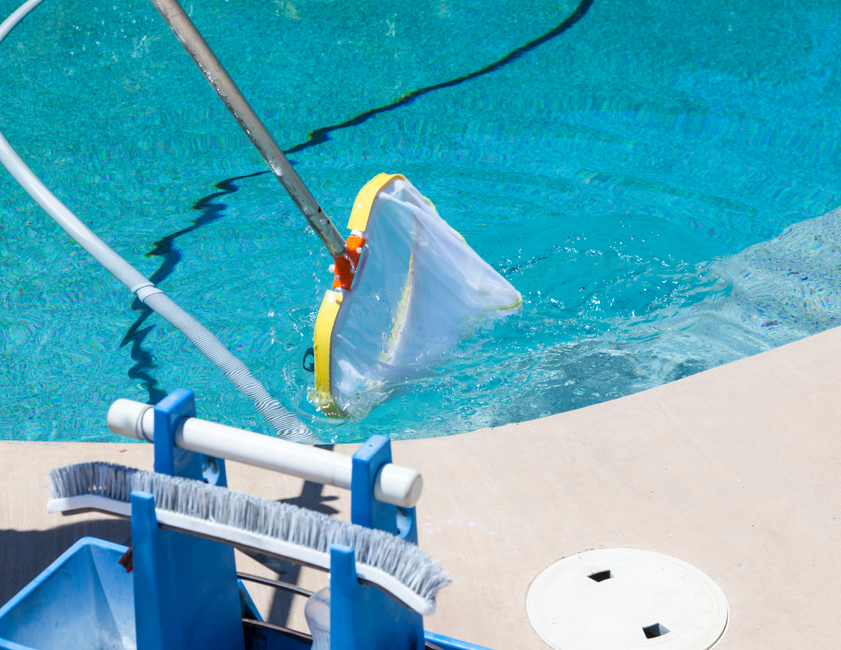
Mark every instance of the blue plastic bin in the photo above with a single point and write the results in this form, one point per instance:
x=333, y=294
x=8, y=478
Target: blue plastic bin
x=84, y=600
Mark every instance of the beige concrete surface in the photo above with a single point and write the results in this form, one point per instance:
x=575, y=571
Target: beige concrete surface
x=736, y=470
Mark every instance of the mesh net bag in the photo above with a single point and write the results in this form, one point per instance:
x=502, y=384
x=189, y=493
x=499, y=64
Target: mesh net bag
x=418, y=289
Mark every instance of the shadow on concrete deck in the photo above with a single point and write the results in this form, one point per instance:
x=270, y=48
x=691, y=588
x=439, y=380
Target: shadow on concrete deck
x=26, y=553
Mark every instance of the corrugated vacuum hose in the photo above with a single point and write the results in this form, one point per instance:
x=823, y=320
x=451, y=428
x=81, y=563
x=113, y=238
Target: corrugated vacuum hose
x=283, y=421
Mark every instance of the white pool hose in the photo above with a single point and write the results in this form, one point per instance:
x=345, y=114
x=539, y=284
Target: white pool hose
x=281, y=420
x=397, y=485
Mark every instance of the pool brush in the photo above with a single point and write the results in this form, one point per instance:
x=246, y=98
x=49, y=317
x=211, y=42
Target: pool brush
x=278, y=529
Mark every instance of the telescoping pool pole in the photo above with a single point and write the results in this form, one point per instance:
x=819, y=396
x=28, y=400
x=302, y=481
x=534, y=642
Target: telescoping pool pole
x=198, y=49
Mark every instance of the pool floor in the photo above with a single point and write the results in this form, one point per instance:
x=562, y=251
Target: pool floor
x=659, y=185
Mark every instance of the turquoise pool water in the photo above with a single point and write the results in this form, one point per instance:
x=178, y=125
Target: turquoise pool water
x=648, y=178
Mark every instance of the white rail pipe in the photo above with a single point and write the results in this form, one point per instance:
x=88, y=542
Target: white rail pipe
x=397, y=485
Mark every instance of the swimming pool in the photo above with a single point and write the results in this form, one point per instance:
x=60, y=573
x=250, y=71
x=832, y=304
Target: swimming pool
x=632, y=176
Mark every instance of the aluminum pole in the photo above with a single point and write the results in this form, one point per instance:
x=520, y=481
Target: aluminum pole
x=198, y=49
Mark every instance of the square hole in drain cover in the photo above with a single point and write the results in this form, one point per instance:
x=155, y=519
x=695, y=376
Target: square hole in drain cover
x=653, y=631
x=601, y=575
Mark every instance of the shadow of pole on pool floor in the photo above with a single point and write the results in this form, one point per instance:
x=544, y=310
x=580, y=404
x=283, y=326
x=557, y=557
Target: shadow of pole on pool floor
x=211, y=211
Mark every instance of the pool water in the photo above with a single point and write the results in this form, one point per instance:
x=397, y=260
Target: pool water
x=652, y=179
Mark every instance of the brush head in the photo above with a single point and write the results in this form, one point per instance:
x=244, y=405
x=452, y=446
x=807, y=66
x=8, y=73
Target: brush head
x=259, y=518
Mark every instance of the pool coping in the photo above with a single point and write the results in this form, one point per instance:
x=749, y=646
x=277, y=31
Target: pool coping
x=734, y=470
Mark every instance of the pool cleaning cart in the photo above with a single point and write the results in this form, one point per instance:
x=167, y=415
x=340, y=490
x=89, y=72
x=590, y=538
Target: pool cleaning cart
x=184, y=592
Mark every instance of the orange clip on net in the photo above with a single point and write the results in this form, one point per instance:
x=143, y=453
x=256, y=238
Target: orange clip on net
x=346, y=264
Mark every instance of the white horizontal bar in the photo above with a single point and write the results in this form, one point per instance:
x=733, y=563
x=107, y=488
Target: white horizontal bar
x=400, y=486
x=89, y=502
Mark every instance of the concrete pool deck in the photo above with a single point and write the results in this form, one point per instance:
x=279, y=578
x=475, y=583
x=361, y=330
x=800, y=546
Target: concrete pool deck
x=736, y=470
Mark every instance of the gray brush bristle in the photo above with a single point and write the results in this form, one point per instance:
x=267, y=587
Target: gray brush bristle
x=376, y=548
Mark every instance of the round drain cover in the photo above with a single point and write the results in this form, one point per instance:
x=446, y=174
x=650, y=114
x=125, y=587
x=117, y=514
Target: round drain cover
x=619, y=599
